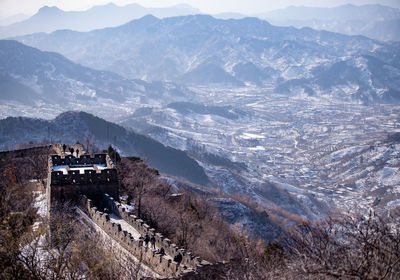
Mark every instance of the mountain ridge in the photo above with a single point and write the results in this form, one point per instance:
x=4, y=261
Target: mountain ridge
x=51, y=18
x=197, y=50
x=73, y=126
x=30, y=75
x=348, y=19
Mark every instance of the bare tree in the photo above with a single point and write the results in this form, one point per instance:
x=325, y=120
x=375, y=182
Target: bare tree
x=91, y=147
x=17, y=214
x=346, y=247
x=138, y=181
x=71, y=250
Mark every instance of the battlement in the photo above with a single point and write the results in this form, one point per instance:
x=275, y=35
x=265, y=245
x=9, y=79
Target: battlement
x=70, y=170
x=105, y=176
x=161, y=264
x=188, y=259
x=69, y=177
x=83, y=160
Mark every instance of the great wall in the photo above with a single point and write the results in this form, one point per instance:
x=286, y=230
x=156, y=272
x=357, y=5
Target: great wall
x=162, y=264
x=68, y=177
x=78, y=179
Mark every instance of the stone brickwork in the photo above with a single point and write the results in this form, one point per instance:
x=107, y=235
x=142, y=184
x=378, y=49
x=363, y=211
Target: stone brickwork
x=88, y=177
x=82, y=160
x=160, y=264
x=93, y=181
x=163, y=265
x=188, y=259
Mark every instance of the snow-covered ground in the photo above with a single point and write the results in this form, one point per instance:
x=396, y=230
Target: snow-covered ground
x=389, y=176
x=310, y=147
x=81, y=170
x=333, y=151
x=125, y=226
x=40, y=203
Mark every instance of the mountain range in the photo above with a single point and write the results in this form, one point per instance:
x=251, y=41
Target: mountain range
x=201, y=50
x=31, y=77
x=262, y=111
x=70, y=127
x=49, y=19
x=374, y=21
x=37, y=83
x=235, y=107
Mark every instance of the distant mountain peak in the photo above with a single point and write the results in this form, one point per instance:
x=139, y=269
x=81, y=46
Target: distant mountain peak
x=149, y=17
x=201, y=18
x=109, y=5
x=147, y=20
x=50, y=18
x=49, y=9
x=184, y=6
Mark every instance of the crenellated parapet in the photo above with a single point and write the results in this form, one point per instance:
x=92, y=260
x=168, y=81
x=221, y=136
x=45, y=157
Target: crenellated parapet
x=83, y=170
x=161, y=264
x=98, y=159
x=75, y=177
x=69, y=177
x=188, y=259
x=164, y=265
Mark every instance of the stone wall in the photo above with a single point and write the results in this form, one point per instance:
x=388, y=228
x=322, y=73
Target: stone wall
x=68, y=187
x=188, y=259
x=105, y=176
x=82, y=160
x=18, y=153
x=163, y=265
x=160, y=264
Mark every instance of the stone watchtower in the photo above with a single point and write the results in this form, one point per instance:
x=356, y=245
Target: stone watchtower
x=69, y=177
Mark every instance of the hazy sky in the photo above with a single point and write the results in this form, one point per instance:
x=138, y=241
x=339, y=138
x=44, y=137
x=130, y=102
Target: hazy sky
x=12, y=7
